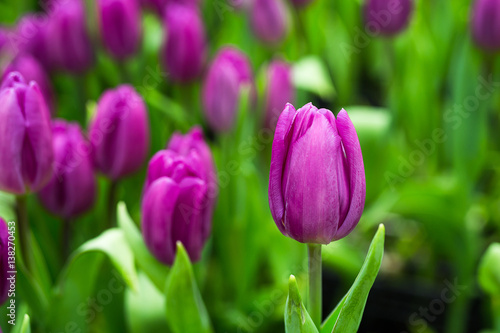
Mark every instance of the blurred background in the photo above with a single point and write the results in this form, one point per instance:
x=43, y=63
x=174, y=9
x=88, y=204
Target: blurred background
x=422, y=88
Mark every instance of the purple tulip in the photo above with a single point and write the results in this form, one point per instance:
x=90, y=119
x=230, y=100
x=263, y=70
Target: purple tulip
x=387, y=17
x=229, y=72
x=72, y=189
x=326, y=204
x=32, y=70
x=69, y=46
x=269, y=20
x=30, y=37
x=280, y=91
x=485, y=27
x=177, y=203
x=184, y=49
x=120, y=25
x=119, y=132
x=4, y=262
x=158, y=6
x=301, y=3
x=25, y=137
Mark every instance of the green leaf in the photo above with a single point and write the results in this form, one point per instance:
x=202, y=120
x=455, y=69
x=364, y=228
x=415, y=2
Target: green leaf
x=489, y=270
x=26, y=327
x=347, y=316
x=310, y=74
x=156, y=271
x=185, y=310
x=296, y=317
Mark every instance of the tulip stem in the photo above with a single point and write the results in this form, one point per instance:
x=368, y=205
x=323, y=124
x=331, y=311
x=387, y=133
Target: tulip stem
x=112, y=204
x=66, y=237
x=314, y=254
x=495, y=302
x=23, y=229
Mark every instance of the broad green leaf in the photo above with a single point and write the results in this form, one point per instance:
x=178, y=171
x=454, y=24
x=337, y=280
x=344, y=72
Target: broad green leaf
x=327, y=326
x=156, y=271
x=489, y=270
x=185, y=310
x=351, y=311
x=297, y=320
x=310, y=74
x=26, y=326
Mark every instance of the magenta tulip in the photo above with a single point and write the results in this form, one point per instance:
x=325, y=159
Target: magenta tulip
x=324, y=205
x=25, y=137
x=279, y=92
x=387, y=17
x=485, y=27
x=269, y=20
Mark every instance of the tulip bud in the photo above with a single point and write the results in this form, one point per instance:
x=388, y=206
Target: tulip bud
x=279, y=92
x=269, y=20
x=31, y=70
x=119, y=132
x=324, y=205
x=229, y=72
x=184, y=49
x=25, y=137
x=4, y=261
x=71, y=190
x=69, y=47
x=120, y=26
x=30, y=37
x=301, y=3
x=387, y=17
x=177, y=203
x=485, y=30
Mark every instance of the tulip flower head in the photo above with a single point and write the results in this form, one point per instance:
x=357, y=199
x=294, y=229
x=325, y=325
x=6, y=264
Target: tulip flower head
x=120, y=26
x=184, y=48
x=119, y=132
x=387, y=17
x=31, y=37
x=269, y=20
x=317, y=179
x=229, y=72
x=280, y=90
x=4, y=261
x=177, y=204
x=72, y=188
x=25, y=136
x=485, y=27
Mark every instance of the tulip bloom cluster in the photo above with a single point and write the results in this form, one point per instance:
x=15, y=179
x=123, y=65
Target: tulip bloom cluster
x=325, y=204
x=178, y=197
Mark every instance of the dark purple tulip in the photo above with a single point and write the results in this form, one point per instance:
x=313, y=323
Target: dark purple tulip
x=177, y=203
x=485, y=27
x=119, y=132
x=157, y=6
x=4, y=261
x=25, y=137
x=387, y=17
x=269, y=20
x=317, y=178
x=69, y=46
x=280, y=91
x=120, y=25
x=301, y=3
x=31, y=37
x=72, y=189
x=31, y=70
x=229, y=71
x=184, y=49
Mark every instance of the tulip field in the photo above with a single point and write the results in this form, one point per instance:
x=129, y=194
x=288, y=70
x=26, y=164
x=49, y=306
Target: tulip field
x=206, y=166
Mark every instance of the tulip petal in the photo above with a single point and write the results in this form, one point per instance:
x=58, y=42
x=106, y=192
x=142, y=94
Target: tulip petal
x=356, y=170
x=312, y=205
x=279, y=152
x=158, y=208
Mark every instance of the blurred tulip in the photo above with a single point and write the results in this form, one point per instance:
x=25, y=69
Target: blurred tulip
x=69, y=47
x=183, y=53
x=387, y=17
x=301, y=3
x=120, y=26
x=485, y=27
x=4, y=262
x=72, y=189
x=229, y=72
x=178, y=203
x=269, y=20
x=159, y=6
x=119, y=132
x=317, y=179
x=279, y=92
x=25, y=137
x=30, y=37
x=31, y=70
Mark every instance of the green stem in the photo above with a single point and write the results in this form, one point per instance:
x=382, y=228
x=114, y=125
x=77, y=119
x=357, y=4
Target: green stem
x=23, y=229
x=314, y=255
x=66, y=238
x=495, y=305
x=111, y=222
